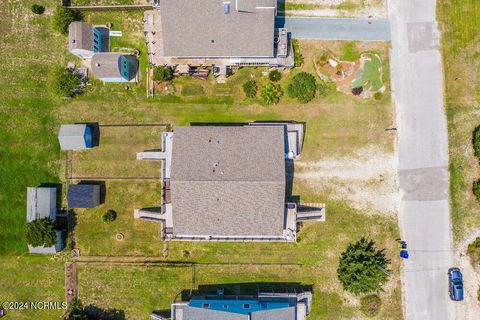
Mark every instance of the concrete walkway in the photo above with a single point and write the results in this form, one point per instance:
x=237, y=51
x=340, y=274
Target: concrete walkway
x=336, y=29
x=424, y=213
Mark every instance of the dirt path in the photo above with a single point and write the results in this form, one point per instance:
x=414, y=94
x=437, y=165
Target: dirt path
x=367, y=179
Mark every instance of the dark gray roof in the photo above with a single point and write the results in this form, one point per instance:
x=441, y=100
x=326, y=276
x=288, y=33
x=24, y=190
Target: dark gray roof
x=83, y=195
x=228, y=181
x=190, y=26
x=192, y=313
x=277, y=314
x=80, y=36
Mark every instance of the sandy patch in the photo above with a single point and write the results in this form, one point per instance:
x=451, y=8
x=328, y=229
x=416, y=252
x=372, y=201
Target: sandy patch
x=469, y=308
x=367, y=179
x=332, y=8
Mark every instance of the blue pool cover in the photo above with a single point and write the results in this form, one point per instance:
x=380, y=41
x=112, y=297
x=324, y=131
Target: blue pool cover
x=238, y=306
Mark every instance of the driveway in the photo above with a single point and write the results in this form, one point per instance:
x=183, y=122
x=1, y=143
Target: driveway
x=424, y=213
x=336, y=29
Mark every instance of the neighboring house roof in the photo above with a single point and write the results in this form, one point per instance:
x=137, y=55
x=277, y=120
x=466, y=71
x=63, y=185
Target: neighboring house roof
x=109, y=65
x=247, y=30
x=83, y=195
x=74, y=137
x=228, y=181
x=192, y=313
x=41, y=203
x=80, y=36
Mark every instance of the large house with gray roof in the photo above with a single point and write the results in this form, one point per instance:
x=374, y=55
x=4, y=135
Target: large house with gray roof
x=216, y=32
x=227, y=183
x=264, y=306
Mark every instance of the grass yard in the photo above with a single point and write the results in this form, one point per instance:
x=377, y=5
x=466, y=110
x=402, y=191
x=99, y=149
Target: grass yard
x=459, y=20
x=336, y=125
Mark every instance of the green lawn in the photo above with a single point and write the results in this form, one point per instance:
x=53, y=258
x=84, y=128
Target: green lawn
x=460, y=49
x=29, y=155
x=370, y=76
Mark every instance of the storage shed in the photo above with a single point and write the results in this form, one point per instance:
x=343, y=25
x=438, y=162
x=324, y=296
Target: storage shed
x=75, y=137
x=42, y=203
x=83, y=196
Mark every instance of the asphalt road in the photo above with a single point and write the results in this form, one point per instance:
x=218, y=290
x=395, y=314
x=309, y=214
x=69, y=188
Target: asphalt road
x=424, y=213
x=336, y=29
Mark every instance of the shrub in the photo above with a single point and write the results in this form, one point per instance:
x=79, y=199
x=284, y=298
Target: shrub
x=109, y=216
x=362, y=268
x=325, y=88
x=476, y=141
x=370, y=305
x=275, y=75
x=38, y=9
x=297, y=54
x=186, y=253
x=250, y=88
x=302, y=87
x=76, y=311
x=473, y=251
x=271, y=93
x=357, y=91
x=162, y=73
x=62, y=17
x=41, y=232
x=476, y=189
x=378, y=96
x=63, y=82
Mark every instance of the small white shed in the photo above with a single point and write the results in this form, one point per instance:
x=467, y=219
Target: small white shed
x=75, y=137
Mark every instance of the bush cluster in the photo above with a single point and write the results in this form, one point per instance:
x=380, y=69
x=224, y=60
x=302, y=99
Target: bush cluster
x=41, y=232
x=275, y=75
x=302, y=87
x=250, y=88
x=362, y=268
x=38, y=9
x=62, y=17
x=109, y=216
x=271, y=93
x=162, y=73
x=63, y=82
x=297, y=54
x=370, y=305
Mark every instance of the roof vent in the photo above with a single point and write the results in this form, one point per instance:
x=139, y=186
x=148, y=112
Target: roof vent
x=216, y=164
x=97, y=64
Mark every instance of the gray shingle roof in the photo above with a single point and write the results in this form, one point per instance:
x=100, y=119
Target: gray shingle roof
x=192, y=313
x=277, y=314
x=202, y=29
x=83, y=195
x=80, y=36
x=228, y=181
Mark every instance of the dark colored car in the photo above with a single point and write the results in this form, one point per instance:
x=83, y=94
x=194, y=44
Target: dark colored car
x=455, y=284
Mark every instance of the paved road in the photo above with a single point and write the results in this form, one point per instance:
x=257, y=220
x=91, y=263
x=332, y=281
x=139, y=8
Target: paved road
x=336, y=29
x=424, y=213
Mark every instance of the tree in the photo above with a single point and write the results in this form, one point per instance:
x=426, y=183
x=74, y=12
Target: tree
x=370, y=305
x=162, y=73
x=109, y=216
x=41, y=232
x=271, y=93
x=362, y=268
x=38, y=9
x=275, y=75
x=63, y=82
x=62, y=17
x=476, y=189
x=302, y=87
x=250, y=88
x=476, y=141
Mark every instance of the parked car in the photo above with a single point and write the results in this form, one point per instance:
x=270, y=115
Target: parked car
x=455, y=284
